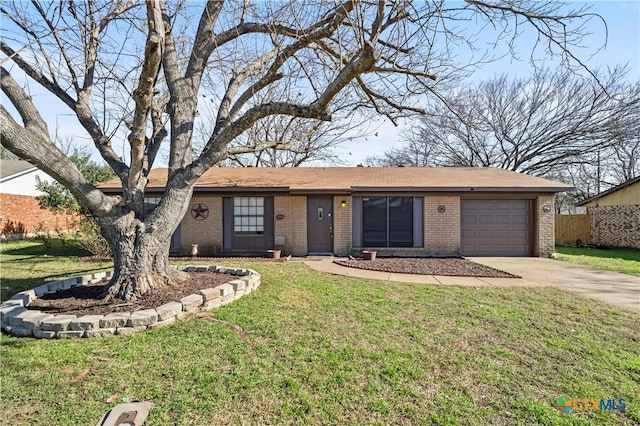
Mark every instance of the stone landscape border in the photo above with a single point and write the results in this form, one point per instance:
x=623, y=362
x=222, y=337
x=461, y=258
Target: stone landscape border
x=17, y=320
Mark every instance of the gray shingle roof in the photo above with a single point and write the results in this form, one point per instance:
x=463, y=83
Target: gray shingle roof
x=12, y=167
x=363, y=179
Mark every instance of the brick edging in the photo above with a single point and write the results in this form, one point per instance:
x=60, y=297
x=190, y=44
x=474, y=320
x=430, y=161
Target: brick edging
x=17, y=320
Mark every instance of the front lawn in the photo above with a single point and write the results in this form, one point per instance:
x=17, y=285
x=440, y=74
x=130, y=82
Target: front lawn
x=27, y=264
x=312, y=348
x=626, y=260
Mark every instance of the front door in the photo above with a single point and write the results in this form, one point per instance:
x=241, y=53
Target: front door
x=320, y=224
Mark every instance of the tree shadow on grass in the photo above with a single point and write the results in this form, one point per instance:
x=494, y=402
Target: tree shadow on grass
x=57, y=249
x=11, y=286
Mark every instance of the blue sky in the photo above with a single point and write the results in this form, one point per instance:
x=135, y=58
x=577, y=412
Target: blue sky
x=622, y=47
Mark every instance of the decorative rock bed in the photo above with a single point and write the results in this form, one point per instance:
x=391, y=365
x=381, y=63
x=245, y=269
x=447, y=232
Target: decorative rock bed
x=17, y=320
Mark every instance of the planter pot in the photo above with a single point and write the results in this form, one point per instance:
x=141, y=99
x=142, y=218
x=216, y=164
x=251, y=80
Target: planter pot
x=273, y=254
x=194, y=251
x=369, y=255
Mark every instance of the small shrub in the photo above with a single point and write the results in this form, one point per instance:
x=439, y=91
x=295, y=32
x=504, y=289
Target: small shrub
x=43, y=235
x=90, y=239
x=13, y=228
x=62, y=235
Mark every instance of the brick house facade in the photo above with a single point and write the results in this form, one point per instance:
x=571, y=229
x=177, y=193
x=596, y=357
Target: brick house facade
x=342, y=211
x=615, y=215
x=20, y=212
x=24, y=211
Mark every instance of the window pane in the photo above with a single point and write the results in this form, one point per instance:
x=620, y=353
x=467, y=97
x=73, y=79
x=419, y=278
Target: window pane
x=400, y=221
x=374, y=222
x=387, y=222
x=248, y=215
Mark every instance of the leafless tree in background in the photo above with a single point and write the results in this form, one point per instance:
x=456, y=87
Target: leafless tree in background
x=553, y=124
x=134, y=73
x=292, y=141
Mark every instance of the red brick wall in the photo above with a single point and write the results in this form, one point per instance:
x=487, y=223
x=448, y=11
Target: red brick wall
x=25, y=209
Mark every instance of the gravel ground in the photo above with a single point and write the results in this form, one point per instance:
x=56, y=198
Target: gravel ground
x=453, y=267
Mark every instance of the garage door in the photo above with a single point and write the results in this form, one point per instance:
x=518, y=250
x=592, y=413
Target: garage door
x=495, y=228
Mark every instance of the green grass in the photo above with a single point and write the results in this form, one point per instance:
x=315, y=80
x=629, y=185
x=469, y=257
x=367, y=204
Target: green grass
x=624, y=260
x=311, y=348
x=26, y=264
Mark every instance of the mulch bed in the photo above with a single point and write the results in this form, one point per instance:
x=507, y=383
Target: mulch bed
x=454, y=267
x=84, y=300
x=189, y=258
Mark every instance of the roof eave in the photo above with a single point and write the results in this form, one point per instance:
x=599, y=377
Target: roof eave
x=462, y=189
x=18, y=174
x=609, y=191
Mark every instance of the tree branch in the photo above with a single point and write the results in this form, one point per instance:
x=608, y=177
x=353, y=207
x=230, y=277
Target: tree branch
x=143, y=94
x=32, y=143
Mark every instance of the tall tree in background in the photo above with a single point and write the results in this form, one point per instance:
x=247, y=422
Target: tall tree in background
x=134, y=72
x=581, y=130
x=290, y=141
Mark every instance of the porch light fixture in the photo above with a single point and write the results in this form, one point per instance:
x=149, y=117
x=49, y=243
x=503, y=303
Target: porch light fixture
x=343, y=203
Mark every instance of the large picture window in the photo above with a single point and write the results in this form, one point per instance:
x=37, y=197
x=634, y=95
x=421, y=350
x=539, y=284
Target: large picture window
x=248, y=215
x=387, y=221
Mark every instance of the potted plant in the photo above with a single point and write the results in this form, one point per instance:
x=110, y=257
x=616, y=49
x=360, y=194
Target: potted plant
x=274, y=254
x=369, y=255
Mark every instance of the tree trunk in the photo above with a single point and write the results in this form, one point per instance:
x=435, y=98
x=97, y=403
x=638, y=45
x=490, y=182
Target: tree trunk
x=141, y=257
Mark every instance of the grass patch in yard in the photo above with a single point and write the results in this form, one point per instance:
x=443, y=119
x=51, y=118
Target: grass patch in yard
x=625, y=260
x=26, y=264
x=312, y=348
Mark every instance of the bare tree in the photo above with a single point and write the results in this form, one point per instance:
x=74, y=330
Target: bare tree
x=292, y=141
x=548, y=124
x=296, y=142
x=127, y=68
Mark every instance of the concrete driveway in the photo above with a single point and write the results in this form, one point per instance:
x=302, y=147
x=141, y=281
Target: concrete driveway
x=611, y=287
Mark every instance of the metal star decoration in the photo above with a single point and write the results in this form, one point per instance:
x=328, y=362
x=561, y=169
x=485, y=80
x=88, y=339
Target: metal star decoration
x=199, y=211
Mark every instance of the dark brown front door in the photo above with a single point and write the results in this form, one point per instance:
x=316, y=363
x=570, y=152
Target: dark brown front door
x=320, y=224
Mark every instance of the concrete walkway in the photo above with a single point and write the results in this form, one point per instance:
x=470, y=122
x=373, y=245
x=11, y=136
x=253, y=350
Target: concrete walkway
x=611, y=287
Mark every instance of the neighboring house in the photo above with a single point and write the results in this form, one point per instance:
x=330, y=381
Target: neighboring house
x=20, y=212
x=615, y=215
x=343, y=210
x=19, y=177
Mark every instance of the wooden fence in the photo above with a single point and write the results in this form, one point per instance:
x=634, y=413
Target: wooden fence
x=573, y=227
